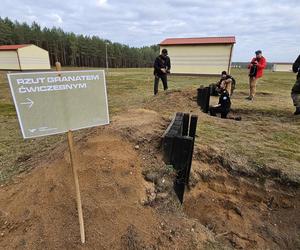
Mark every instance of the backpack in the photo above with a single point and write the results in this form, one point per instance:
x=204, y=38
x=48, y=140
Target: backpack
x=253, y=70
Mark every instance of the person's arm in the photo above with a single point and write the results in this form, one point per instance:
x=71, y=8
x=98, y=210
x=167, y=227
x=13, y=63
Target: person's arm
x=250, y=64
x=156, y=64
x=229, y=80
x=168, y=63
x=296, y=65
x=262, y=63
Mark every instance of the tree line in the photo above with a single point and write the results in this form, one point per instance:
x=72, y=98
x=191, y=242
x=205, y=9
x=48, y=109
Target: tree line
x=76, y=50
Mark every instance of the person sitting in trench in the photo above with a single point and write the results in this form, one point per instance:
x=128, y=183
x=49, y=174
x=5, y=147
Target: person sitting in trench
x=227, y=80
x=223, y=107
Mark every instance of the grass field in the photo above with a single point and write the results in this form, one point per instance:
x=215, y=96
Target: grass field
x=267, y=136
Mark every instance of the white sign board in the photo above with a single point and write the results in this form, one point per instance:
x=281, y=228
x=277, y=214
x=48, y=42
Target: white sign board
x=54, y=102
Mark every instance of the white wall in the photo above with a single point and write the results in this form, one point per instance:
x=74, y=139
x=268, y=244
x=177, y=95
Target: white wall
x=199, y=59
x=282, y=67
x=34, y=58
x=9, y=60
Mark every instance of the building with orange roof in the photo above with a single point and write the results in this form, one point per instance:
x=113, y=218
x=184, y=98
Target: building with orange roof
x=199, y=56
x=23, y=57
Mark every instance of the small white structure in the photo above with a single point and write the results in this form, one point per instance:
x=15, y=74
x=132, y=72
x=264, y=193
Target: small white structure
x=200, y=56
x=283, y=67
x=23, y=57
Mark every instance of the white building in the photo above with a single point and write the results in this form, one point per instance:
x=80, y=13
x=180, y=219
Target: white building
x=23, y=57
x=201, y=56
x=283, y=67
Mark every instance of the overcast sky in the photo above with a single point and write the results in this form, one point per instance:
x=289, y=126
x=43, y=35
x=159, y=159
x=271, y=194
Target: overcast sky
x=272, y=26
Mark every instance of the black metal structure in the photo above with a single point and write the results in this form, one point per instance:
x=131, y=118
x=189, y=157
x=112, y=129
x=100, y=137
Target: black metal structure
x=178, y=147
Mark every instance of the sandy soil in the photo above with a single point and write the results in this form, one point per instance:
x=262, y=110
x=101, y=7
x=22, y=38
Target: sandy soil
x=38, y=211
x=244, y=212
x=223, y=209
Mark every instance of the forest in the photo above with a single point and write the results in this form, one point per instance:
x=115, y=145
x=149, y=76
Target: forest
x=76, y=50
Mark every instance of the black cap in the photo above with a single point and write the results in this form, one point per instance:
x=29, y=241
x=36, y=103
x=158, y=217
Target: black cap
x=164, y=51
x=224, y=73
x=258, y=52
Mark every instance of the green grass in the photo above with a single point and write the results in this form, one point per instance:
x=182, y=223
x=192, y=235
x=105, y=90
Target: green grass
x=268, y=134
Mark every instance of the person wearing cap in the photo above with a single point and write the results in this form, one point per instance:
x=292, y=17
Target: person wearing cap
x=296, y=88
x=162, y=66
x=256, y=70
x=228, y=81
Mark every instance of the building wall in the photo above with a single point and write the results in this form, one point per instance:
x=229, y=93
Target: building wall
x=199, y=59
x=34, y=58
x=282, y=67
x=9, y=60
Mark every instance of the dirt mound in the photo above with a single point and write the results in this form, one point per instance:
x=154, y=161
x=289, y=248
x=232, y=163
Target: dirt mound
x=139, y=123
x=244, y=213
x=39, y=210
x=179, y=100
x=40, y=213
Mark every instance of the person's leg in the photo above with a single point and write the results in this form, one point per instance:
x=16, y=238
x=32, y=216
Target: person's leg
x=296, y=96
x=296, y=101
x=165, y=81
x=252, y=84
x=224, y=114
x=156, y=81
x=212, y=111
x=255, y=81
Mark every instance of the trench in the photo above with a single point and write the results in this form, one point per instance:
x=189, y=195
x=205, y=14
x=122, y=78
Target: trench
x=244, y=212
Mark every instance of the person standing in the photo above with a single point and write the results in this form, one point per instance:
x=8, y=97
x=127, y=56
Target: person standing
x=296, y=88
x=256, y=70
x=162, y=66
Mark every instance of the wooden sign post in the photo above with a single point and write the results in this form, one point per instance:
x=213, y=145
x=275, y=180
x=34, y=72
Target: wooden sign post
x=74, y=161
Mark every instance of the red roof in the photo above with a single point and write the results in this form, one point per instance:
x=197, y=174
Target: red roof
x=199, y=40
x=13, y=47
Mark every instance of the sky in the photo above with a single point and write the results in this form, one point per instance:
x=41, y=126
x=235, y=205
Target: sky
x=269, y=25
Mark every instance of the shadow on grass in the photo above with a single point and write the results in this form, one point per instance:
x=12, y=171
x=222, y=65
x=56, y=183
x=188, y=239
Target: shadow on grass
x=256, y=114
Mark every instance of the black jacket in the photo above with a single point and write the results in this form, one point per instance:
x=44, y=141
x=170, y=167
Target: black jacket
x=224, y=101
x=296, y=67
x=161, y=62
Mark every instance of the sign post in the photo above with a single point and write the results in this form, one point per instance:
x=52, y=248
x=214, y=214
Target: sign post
x=75, y=175
x=50, y=103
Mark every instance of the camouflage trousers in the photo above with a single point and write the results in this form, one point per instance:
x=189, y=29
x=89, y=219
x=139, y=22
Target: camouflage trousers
x=296, y=93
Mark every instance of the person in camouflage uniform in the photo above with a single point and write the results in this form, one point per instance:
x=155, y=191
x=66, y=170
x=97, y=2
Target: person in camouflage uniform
x=296, y=88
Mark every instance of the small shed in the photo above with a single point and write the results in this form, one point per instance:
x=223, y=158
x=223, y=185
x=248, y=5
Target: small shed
x=282, y=67
x=200, y=56
x=23, y=57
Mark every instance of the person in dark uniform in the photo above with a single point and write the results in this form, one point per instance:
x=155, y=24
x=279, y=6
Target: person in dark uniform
x=296, y=88
x=223, y=107
x=162, y=66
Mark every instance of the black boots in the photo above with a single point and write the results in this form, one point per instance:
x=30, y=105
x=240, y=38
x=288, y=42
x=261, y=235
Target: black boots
x=297, y=112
